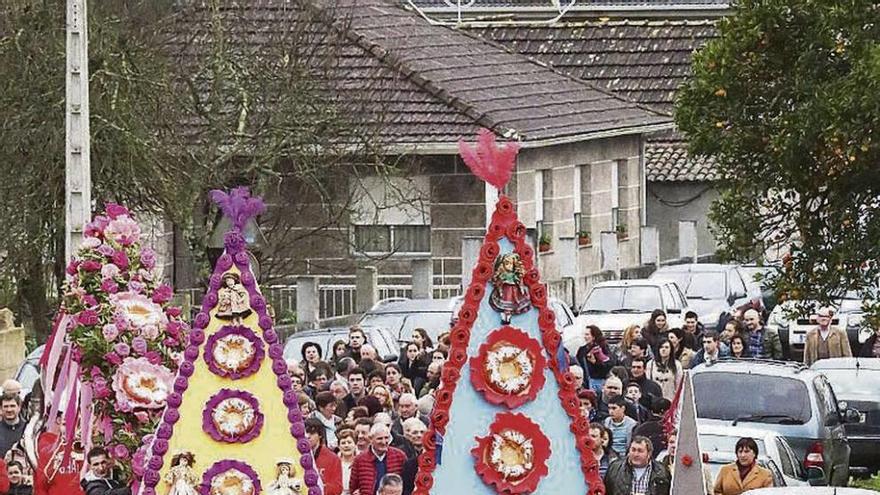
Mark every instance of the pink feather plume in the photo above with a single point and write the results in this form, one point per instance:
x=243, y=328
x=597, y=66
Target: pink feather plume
x=238, y=205
x=488, y=161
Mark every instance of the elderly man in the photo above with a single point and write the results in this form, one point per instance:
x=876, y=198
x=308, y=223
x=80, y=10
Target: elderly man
x=414, y=430
x=407, y=407
x=391, y=484
x=638, y=472
x=378, y=460
x=825, y=341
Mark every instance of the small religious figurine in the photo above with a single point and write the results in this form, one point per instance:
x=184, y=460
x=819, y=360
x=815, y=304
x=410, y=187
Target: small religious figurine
x=233, y=302
x=285, y=483
x=182, y=477
x=510, y=296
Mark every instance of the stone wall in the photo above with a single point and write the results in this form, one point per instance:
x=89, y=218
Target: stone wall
x=12, y=349
x=669, y=202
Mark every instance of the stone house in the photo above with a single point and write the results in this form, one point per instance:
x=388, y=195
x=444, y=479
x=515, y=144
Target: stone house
x=581, y=168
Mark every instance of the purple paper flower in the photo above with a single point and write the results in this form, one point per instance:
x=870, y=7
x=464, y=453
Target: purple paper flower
x=148, y=258
x=96, y=227
x=112, y=358
x=120, y=259
x=109, y=270
x=136, y=286
x=109, y=286
x=153, y=357
x=173, y=311
x=120, y=451
x=90, y=266
x=73, y=267
x=100, y=389
x=234, y=352
x=110, y=332
x=224, y=262
x=232, y=416
x=106, y=250
x=229, y=467
x=115, y=211
x=90, y=300
x=139, y=345
x=122, y=349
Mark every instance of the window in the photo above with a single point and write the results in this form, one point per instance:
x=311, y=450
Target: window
x=772, y=399
x=583, y=196
x=384, y=239
x=786, y=460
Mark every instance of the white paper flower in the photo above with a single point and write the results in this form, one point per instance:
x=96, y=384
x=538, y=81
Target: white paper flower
x=140, y=311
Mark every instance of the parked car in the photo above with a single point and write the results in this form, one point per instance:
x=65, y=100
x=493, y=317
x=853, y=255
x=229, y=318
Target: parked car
x=793, y=324
x=713, y=291
x=382, y=339
x=757, y=276
x=401, y=316
x=787, y=398
x=613, y=306
x=718, y=444
x=28, y=371
x=856, y=381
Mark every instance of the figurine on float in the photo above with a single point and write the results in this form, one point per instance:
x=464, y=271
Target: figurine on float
x=182, y=477
x=232, y=299
x=285, y=483
x=509, y=296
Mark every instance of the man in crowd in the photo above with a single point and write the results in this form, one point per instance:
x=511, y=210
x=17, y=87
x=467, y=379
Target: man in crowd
x=356, y=339
x=711, y=351
x=414, y=431
x=619, y=423
x=433, y=376
x=693, y=327
x=99, y=478
x=763, y=342
x=391, y=484
x=649, y=388
x=362, y=434
x=357, y=382
x=326, y=462
x=637, y=473
x=379, y=459
x=825, y=341
x=12, y=426
x=407, y=407
x=637, y=350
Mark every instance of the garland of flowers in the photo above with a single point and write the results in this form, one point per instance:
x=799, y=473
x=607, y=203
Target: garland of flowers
x=125, y=336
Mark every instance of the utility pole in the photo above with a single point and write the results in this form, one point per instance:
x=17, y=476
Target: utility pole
x=78, y=176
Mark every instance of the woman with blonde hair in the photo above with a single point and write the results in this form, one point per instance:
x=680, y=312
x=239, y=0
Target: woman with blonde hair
x=382, y=393
x=630, y=333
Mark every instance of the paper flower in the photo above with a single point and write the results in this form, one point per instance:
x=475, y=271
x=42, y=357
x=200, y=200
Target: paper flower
x=139, y=310
x=232, y=416
x=230, y=477
x=234, y=352
x=509, y=368
x=123, y=230
x=513, y=456
x=141, y=384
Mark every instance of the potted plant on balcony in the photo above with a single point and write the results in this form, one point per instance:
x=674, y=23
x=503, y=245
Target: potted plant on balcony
x=584, y=238
x=544, y=243
x=621, y=232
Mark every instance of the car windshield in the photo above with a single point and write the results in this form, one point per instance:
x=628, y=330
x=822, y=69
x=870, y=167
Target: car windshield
x=852, y=383
x=705, y=285
x=772, y=399
x=401, y=325
x=636, y=299
x=28, y=375
x=293, y=346
x=724, y=444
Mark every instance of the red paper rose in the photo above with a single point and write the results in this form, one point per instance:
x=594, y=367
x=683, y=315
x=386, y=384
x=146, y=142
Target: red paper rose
x=443, y=397
x=449, y=373
x=460, y=335
x=424, y=482
x=428, y=440
x=458, y=356
x=547, y=318
x=538, y=294
x=496, y=231
x=552, y=340
x=489, y=251
x=516, y=231
x=532, y=277
x=475, y=294
x=427, y=461
x=512, y=431
x=440, y=418
x=510, y=347
x=504, y=207
x=528, y=256
x=467, y=314
x=483, y=272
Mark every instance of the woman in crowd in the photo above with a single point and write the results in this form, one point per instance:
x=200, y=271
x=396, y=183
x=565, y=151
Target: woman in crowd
x=340, y=350
x=739, y=347
x=745, y=474
x=413, y=364
x=382, y=393
x=656, y=328
x=664, y=369
x=680, y=346
x=311, y=355
x=595, y=358
x=630, y=333
x=420, y=336
x=393, y=377
x=347, y=444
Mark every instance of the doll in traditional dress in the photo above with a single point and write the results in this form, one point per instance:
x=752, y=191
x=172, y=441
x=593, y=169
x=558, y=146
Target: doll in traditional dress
x=233, y=302
x=285, y=483
x=182, y=477
x=509, y=296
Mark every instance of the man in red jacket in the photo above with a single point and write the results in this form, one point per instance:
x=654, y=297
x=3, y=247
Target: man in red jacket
x=378, y=460
x=328, y=464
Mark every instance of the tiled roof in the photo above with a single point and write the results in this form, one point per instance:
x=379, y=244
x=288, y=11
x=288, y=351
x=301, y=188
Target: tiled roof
x=668, y=161
x=645, y=61
x=431, y=85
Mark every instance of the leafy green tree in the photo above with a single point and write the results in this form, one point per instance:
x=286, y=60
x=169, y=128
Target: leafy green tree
x=787, y=100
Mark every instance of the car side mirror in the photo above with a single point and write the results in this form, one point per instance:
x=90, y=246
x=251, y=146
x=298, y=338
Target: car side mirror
x=673, y=311
x=816, y=476
x=391, y=358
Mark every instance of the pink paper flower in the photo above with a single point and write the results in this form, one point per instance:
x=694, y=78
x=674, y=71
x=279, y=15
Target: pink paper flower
x=142, y=416
x=90, y=243
x=122, y=349
x=120, y=259
x=110, y=332
x=153, y=357
x=139, y=345
x=173, y=312
x=106, y=250
x=141, y=384
x=135, y=286
x=73, y=267
x=150, y=332
x=115, y=211
x=162, y=294
x=100, y=389
x=87, y=317
x=148, y=258
x=109, y=286
x=109, y=270
x=138, y=310
x=113, y=358
x=90, y=300
x=96, y=227
x=90, y=266
x=123, y=230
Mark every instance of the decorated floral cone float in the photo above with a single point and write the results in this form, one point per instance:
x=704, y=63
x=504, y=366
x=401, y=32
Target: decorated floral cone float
x=233, y=425
x=109, y=364
x=506, y=419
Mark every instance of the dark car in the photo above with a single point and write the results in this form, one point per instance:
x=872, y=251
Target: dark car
x=382, y=339
x=787, y=398
x=713, y=290
x=856, y=381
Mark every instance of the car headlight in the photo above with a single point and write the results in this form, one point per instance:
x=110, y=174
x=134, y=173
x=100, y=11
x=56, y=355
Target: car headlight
x=855, y=320
x=864, y=334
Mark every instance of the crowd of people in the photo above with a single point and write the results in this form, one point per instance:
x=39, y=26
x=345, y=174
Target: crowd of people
x=365, y=419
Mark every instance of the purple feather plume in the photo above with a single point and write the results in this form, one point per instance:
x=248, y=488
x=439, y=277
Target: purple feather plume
x=238, y=205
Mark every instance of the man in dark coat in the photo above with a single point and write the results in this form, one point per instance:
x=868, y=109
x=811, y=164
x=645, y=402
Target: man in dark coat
x=638, y=472
x=12, y=426
x=99, y=478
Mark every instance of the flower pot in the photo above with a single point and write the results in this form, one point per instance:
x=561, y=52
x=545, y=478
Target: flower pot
x=583, y=241
x=543, y=247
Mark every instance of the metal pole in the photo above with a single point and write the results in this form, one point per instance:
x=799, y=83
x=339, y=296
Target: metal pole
x=78, y=182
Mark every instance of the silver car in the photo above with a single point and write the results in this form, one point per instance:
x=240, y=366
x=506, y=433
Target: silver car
x=774, y=453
